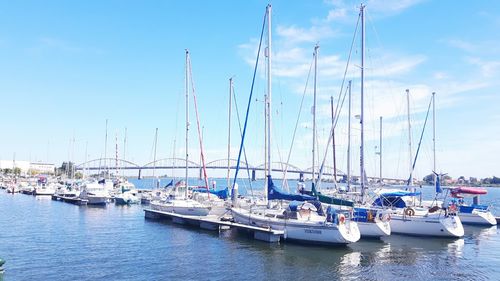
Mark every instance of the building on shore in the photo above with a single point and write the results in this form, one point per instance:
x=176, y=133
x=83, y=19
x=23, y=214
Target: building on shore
x=28, y=167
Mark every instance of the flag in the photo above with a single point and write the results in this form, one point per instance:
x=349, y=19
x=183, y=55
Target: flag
x=438, y=183
x=170, y=183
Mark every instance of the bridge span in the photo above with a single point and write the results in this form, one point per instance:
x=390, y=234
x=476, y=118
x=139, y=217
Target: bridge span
x=112, y=164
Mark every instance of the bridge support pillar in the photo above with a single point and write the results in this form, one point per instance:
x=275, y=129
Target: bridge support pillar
x=301, y=176
x=253, y=174
x=139, y=176
x=201, y=174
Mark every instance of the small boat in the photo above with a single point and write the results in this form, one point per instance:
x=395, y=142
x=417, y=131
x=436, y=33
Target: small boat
x=127, y=198
x=95, y=193
x=474, y=213
x=43, y=187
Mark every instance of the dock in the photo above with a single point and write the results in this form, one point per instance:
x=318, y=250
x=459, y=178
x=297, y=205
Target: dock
x=70, y=199
x=212, y=222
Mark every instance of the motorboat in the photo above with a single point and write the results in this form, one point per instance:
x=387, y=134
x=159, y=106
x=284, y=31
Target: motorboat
x=95, y=193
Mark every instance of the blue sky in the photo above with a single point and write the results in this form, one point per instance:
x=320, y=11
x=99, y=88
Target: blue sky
x=66, y=67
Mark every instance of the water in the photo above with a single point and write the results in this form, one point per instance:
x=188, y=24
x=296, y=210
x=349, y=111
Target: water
x=43, y=239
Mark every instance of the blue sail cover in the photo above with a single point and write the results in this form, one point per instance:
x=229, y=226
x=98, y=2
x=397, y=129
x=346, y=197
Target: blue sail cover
x=393, y=199
x=273, y=193
x=399, y=193
x=222, y=194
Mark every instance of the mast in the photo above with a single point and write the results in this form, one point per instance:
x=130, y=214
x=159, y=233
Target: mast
x=269, y=91
x=349, y=142
x=314, y=114
x=106, y=147
x=361, y=121
x=154, y=158
x=229, y=133
x=116, y=154
x=409, y=138
x=333, y=142
x=380, y=150
x=124, y=150
x=187, y=121
x=85, y=166
x=434, y=134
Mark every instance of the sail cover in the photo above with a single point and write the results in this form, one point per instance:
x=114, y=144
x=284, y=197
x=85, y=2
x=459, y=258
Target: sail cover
x=273, y=193
x=222, y=194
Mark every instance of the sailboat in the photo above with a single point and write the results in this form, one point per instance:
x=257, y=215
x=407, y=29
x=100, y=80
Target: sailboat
x=182, y=198
x=407, y=216
x=474, y=213
x=302, y=218
x=373, y=222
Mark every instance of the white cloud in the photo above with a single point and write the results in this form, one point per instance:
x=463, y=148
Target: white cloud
x=488, y=68
x=391, y=7
x=293, y=34
x=440, y=75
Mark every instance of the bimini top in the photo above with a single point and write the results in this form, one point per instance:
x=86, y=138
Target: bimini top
x=460, y=191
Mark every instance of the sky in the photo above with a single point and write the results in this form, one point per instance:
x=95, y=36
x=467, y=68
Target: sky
x=68, y=66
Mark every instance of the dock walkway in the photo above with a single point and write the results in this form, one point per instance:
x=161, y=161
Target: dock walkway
x=212, y=222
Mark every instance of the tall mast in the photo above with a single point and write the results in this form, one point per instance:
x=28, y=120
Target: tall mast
x=434, y=134
x=333, y=141
x=116, y=154
x=229, y=133
x=106, y=146
x=349, y=142
x=314, y=114
x=124, y=149
x=380, y=150
x=187, y=120
x=409, y=137
x=361, y=121
x=154, y=158
x=269, y=90
x=85, y=166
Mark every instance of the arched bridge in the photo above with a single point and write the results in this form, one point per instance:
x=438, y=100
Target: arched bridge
x=112, y=164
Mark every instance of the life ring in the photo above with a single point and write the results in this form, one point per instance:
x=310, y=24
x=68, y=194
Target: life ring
x=341, y=218
x=370, y=216
x=409, y=212
x=453, y=208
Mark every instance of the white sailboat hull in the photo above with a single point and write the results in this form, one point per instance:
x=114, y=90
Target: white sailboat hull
x=182, y=207
x=375, y=229
x=432, y=225
x=310, y=232
x=478, y=217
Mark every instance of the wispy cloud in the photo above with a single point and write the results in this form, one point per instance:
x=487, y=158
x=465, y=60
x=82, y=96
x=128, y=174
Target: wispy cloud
x=488, y=68
x=45, y=44
x=293, y=34
x=377, y=8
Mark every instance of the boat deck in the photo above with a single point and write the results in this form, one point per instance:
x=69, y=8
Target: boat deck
x=212, y=222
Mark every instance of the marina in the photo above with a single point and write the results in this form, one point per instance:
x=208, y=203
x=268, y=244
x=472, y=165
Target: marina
x=250, y=174
x=106, y=241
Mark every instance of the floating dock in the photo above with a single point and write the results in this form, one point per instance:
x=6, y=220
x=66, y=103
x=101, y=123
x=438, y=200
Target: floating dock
x=70, y=199
x=212, y=222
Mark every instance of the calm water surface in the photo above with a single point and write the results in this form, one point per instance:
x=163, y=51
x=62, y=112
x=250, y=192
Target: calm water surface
x=43, y=239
